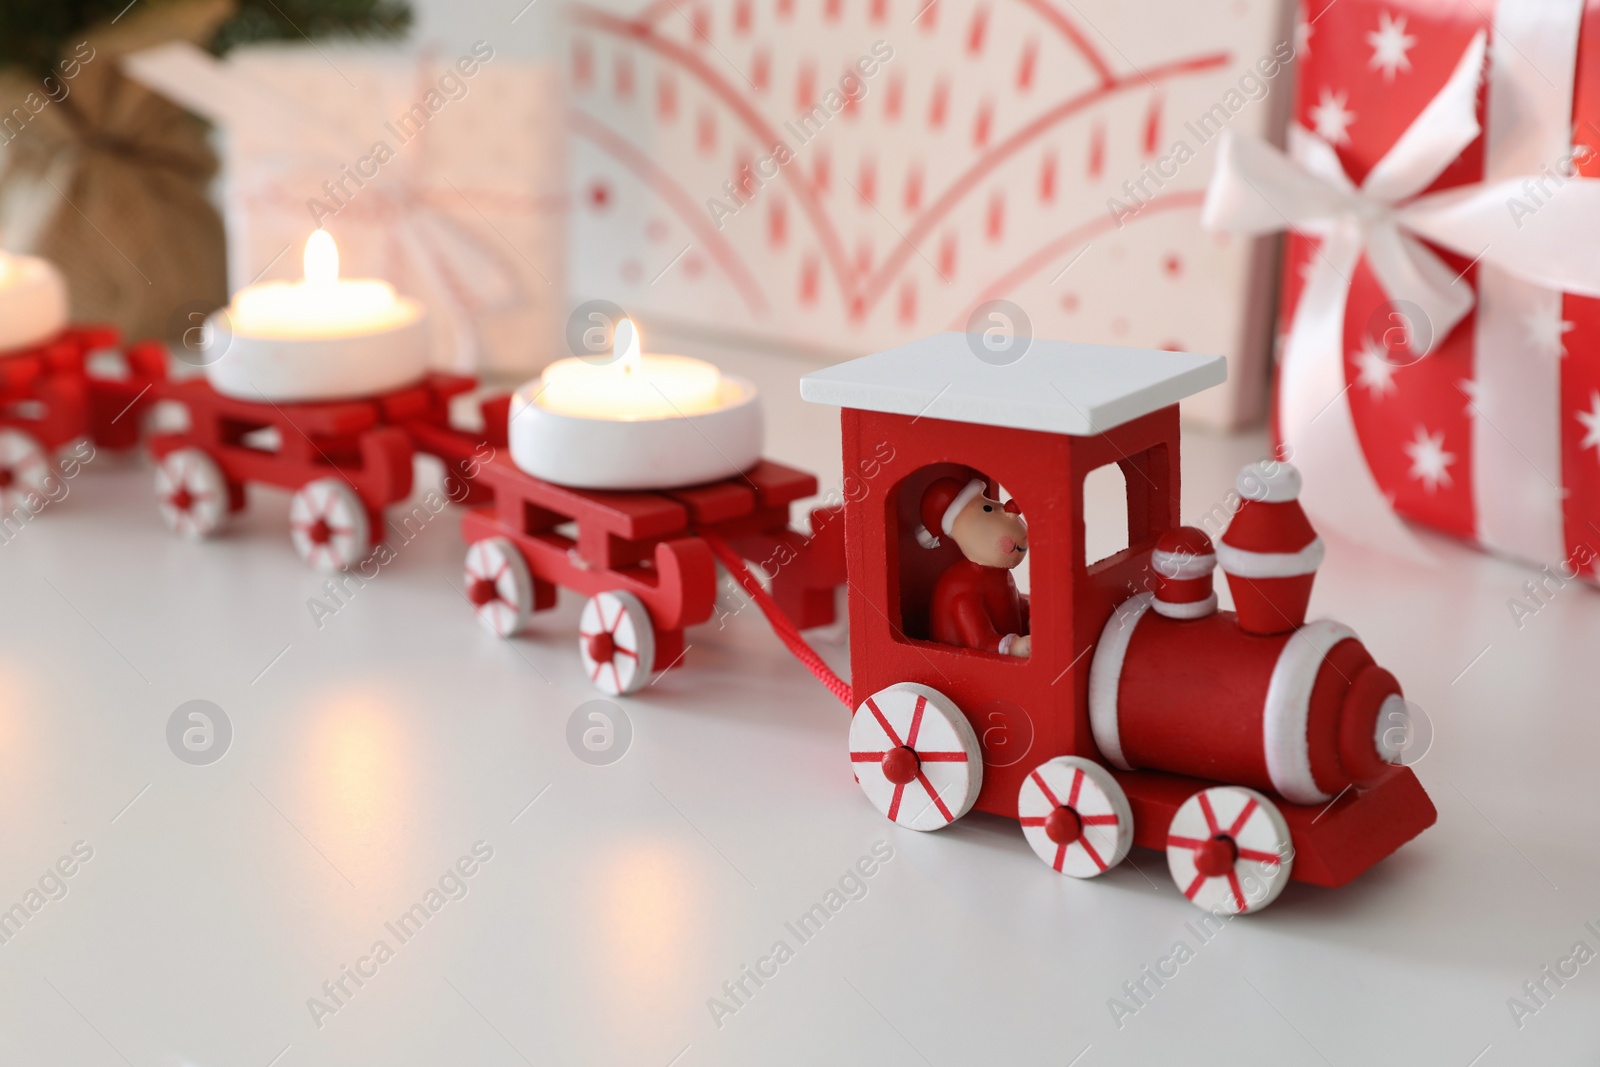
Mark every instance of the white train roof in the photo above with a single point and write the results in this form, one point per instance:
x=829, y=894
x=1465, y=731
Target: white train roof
x=1057, y=386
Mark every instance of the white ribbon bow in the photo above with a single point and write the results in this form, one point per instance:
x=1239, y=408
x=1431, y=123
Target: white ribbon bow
x=1256, y=189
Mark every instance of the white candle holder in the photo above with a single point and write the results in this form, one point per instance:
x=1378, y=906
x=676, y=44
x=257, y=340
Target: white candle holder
x=665, y=453
x=33, y=302
x=317, y=368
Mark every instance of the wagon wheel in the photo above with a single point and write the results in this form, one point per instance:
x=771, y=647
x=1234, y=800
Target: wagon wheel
x=23, y=469
x=1228, y=849
x=191, y=493
x=499, y=585
x=916, y=756
x=1076, y=816
x=328, y=524
x=617, y=642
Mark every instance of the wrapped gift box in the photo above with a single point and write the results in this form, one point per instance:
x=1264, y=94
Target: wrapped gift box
x=846, y=175
x=1441, y=358
x=439, y=172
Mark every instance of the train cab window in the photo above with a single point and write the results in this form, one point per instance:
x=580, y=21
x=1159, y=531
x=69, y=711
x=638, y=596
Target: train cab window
x=1126, y=504
x=1105, y=513
x=962, y=542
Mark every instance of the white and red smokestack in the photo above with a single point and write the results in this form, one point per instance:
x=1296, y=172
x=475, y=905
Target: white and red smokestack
x=1270, y=552
x=1183, y=560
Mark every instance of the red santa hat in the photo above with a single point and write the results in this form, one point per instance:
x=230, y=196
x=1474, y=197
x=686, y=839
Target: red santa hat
x=941, y=503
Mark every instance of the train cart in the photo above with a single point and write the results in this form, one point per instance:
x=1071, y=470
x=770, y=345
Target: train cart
x=79, y=384
x=646, y=561
x=344, y=461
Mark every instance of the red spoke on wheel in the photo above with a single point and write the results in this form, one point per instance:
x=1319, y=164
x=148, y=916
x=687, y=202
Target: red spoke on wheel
x=1244, y=816
x=1077, y=787
x=1211, y=818
x=1184, y=842
x=894, y=738
x=1238, y=894
x=1194, y=886
x=1038, y=780
x=1089, y=848
x=619, y=650
x=916, y=722
x=1098, y=820
x=941, y=757
x=937, y=799
x=867, y=757
x=894, y=803
x=1259, y=856
x=1061, y=857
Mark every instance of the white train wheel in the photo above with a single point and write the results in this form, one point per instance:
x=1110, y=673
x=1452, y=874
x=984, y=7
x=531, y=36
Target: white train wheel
x=191, y=493
x=1229, y=851
x=916, y=756
x=23, y=469
x=617, y=642
x=499, y=585
x=1076, y=816
x=328, y=524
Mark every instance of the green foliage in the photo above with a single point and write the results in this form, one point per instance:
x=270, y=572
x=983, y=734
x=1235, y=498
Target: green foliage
x=34, y=33
x=293, y=20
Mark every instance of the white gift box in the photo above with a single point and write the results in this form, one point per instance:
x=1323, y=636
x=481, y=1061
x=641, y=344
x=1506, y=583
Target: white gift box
x=439, y=172
x=978, y=160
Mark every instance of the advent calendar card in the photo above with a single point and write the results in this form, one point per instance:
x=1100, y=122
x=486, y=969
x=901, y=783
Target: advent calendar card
x=844, y=175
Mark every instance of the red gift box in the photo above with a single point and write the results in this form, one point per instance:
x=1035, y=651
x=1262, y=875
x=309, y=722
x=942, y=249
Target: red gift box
x=1439, y=311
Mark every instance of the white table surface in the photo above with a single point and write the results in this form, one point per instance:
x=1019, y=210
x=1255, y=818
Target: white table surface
x=369, y=754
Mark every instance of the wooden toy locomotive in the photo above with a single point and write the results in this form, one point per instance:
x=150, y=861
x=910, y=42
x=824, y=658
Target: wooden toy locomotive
x=1250, y=748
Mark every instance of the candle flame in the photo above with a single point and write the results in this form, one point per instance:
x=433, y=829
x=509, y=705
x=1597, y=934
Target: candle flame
x=321, y=259
x=625, y=346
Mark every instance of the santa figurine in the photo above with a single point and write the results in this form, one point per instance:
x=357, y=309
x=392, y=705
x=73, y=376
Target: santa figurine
x=975, y=601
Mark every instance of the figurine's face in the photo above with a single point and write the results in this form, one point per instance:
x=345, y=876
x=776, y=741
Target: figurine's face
x=990, y=535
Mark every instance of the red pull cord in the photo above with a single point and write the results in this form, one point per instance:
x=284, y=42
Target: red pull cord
x=782, y=625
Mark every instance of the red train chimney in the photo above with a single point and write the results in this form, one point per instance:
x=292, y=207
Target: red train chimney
x=1183, y=560
x=1270, y=552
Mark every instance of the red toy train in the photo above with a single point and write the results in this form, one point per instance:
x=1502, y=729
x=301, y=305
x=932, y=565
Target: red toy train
x=1138, y=697
x=1248, y=747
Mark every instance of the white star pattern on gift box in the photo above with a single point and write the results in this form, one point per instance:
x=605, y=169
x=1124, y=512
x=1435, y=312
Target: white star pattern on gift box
x=1302, y=36
x=1469, y=388
x=1591, y=422
x=1430, y=463
x=1545, y=333
x=1331, y=118
x=1390, y=43
x=1374, y=372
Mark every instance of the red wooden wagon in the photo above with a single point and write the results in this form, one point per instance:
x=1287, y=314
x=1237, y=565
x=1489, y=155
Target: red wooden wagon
x=645, y=560
x=344, y=461
x=79, y=384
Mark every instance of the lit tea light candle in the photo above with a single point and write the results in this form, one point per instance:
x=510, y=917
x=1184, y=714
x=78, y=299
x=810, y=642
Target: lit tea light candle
x=33, y=301
x=637, y=421
x=630, y=385
x=322, y=338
